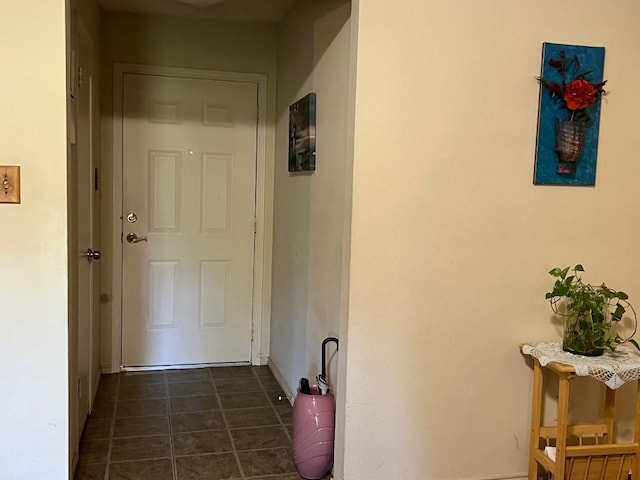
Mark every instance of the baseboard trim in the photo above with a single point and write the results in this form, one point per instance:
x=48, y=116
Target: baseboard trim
x=106, y=369
x=280, y=380
x=506, y=476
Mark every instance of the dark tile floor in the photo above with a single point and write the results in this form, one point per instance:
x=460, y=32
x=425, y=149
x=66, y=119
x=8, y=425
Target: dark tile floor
x=201, y=424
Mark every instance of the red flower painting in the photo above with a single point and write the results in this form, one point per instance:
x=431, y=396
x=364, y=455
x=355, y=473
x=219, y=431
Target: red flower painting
x=575, y=92
x=579, y=94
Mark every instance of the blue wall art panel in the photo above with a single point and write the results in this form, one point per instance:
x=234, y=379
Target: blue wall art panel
x=571, y=87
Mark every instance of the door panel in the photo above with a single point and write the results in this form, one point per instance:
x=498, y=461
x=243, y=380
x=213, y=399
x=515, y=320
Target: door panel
x=189, y=160
x=86, y=220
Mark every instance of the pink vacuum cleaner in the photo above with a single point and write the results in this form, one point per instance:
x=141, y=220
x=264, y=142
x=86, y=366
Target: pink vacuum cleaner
x=314, y=412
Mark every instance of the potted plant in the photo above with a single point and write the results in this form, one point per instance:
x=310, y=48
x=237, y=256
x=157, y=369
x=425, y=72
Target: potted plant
x=590, y=313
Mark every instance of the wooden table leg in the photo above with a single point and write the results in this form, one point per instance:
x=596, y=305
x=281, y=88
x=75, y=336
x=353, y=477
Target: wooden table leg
x=563, y=423
x=635, y=465
x=609, y=410
x=536, y=413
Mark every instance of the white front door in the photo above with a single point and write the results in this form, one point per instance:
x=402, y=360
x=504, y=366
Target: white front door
x=189, y=172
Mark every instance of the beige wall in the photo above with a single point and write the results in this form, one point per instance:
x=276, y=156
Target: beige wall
x=451, y=242
x=176, y=42
x=310, y=209
x=33, y=245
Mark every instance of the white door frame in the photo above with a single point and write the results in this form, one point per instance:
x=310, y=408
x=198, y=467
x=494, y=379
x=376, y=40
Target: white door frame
x=264, y=200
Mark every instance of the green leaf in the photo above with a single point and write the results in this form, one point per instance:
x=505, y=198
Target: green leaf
x=579, y=268
x=622, y=295
x=605, y=292
x=617, y=315
x=555, y=272
x=560, y=290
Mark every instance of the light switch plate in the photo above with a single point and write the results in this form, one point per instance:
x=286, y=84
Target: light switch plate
x=9, y=184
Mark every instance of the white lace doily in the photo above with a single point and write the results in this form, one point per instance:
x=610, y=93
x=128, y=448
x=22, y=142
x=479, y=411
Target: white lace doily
x=613, y=369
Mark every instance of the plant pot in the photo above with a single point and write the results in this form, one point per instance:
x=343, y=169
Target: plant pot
x=584, y=336
x=569, y=145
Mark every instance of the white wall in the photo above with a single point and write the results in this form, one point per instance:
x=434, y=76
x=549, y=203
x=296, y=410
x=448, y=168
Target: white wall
x=33, y=245
x=310, y=210
x=451, y=241
x=178, y=42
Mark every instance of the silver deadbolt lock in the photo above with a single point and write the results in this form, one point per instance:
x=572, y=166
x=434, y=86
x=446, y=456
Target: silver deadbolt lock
x=132, y=218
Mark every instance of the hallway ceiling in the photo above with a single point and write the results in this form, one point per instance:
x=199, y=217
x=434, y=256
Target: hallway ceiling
x=262, y=11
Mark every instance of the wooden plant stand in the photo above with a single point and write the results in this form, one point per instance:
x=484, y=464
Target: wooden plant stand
x=585, y=451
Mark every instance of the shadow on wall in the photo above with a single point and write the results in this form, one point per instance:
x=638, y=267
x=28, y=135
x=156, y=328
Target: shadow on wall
x=330, y=18
x=309, y=209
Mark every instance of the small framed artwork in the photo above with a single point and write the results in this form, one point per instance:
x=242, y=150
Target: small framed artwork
x=302, y=134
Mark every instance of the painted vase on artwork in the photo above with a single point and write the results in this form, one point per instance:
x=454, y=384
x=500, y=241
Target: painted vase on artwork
x=569, y=145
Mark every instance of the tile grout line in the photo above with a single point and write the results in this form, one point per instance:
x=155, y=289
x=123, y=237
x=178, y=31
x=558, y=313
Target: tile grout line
x=282, y=425
x=280, y=422
x=140, y=460
x=234, y=451
x=112, y=428
x=213, y=454
x=174, y=463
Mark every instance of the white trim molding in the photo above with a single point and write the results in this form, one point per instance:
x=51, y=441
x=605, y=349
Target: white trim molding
x=263, y=206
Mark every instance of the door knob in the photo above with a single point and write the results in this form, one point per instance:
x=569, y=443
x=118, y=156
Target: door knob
x=93, y=254
x=133, y=238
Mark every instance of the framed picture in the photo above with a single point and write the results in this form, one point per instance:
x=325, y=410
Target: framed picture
x=302, y=134
x=571, y=87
